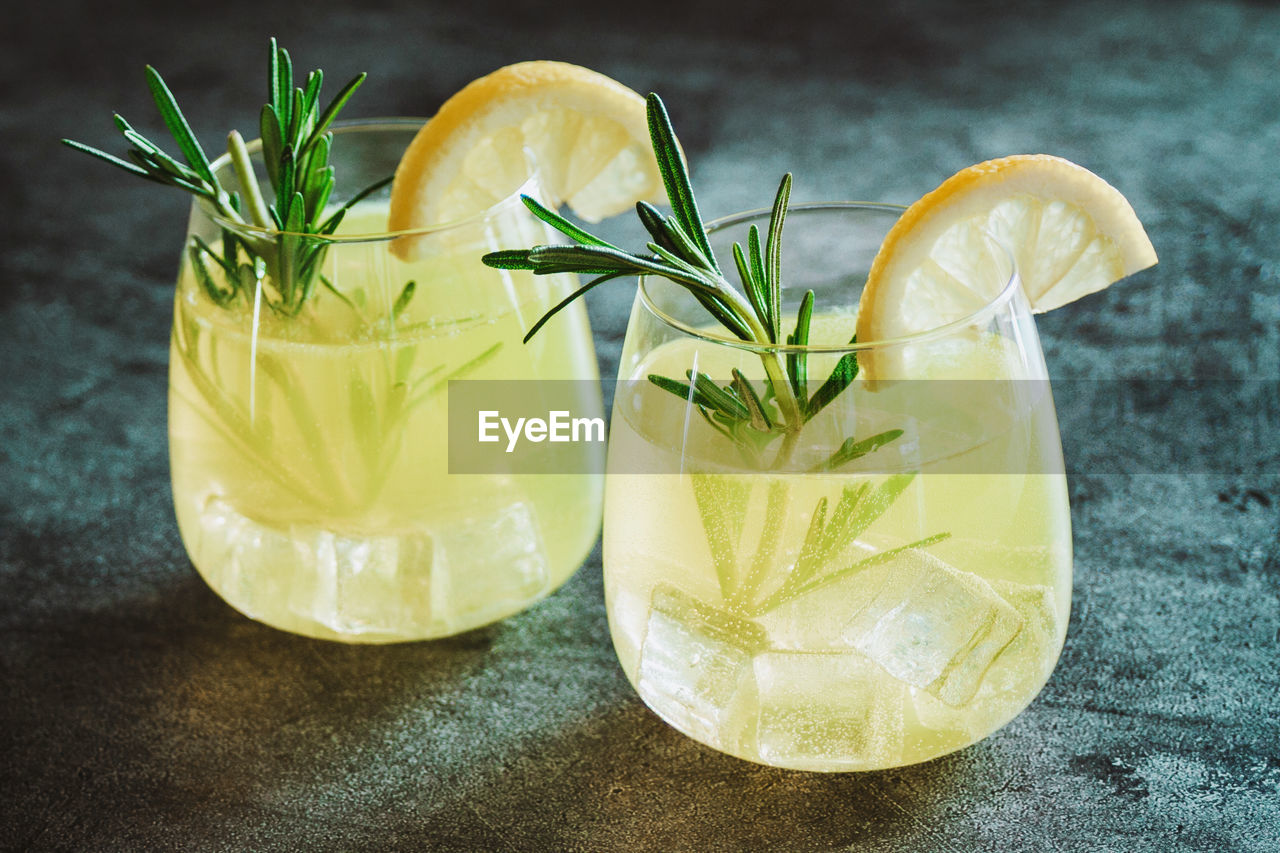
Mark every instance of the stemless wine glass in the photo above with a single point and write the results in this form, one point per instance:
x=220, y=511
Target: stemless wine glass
x=892, y=586
x=308, y=446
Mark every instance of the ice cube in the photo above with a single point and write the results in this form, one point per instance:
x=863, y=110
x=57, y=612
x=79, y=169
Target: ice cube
x=1027, y=661
x=488, y=565
x=826, y=711
x=695, y=660
x=934, y=627
x=247, y=562
x=364, y=584
x=1014, y=677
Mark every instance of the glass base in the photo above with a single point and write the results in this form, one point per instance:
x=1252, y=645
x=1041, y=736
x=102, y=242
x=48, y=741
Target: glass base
x=357, y=586
x=723, y=680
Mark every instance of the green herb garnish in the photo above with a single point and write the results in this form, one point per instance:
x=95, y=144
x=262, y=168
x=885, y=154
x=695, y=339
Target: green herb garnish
x=681, y=253
x=281, y=250
x=752, y=583
x=827, y=554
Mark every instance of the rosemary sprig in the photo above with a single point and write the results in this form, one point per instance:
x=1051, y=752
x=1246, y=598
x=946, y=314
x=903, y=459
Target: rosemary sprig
x=283, y=250
x=680, y=252
x=751, y=418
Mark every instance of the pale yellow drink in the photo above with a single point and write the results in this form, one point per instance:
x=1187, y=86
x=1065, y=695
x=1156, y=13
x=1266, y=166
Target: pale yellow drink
x=899, y=655
x=310, y=462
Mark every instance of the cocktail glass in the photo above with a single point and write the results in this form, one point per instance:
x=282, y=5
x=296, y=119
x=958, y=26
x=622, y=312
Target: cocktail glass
x=811, y=610
x=309, y=456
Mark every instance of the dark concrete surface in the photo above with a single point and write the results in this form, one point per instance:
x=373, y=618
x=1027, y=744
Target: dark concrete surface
x=141, y=713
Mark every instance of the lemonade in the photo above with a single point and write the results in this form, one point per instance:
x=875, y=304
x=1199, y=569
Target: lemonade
x=884, y=655
x=310, y=466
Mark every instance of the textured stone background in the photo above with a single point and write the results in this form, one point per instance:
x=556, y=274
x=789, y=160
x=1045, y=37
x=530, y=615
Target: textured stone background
x=139, y=712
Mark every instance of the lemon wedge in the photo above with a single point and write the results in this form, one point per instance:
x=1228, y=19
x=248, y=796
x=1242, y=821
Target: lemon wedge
x=1069, y=232
x=585, y=134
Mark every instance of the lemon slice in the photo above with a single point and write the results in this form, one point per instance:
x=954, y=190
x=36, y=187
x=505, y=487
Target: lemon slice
x=585, y=133
x=1070, y=234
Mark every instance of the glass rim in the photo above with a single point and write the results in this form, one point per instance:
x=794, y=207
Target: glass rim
x=1006, y=292
x=400, y=123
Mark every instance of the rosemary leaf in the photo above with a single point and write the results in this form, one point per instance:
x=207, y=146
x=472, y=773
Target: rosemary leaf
x=775, y=518
x=854, y=449
x=682, y=390
x=311, y=94
x=773, y=254
x=467, y=368
x=725, y=316
x=296, y=119
x=331, y=111
x=331, y=224
x=759, y=420
x=140, y=142
x=319, y=186
x=866, y=563
x=808, y=561
x=675, y=260
x=601, y=259
x=177, y=124
x=798, y=360
x=332, y=288
x=284, y=104
x=722, y=504
x=154, y=171
x=712, y=422
x=219, y=295
x=717, y=397
x=697, y=394
x=280, y=81
x=877, y=502
x=164, y=163
x=655, y=223
x=509, y=259
x=110, y=158
x=204, y=247
x=297, y=213
x=230, y=250
x=564, y=226
x=269, y=130
x=675, y=175
x=402, y=301
x=285, y=184
x=565, y=302
x=834, y=533
x=846, y=370
x=756, y=260
x=685, y=246
x=753, y=286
